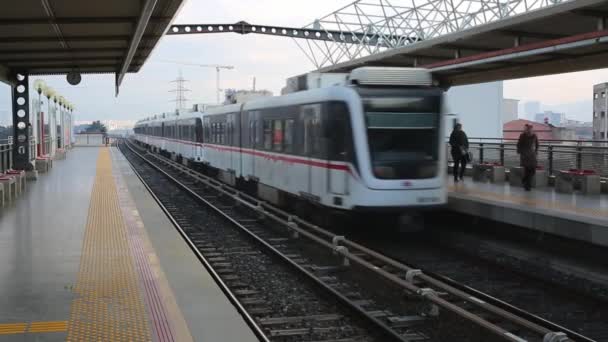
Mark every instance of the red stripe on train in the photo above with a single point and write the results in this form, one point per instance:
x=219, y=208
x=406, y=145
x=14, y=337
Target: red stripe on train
x=283, y=158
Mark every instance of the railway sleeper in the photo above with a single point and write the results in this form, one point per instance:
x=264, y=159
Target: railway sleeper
x=406, y=321
x=304, y=331
x=324, y=270
x=246, y=292
x=216, y=259
x=260, y=311
x=299, y=319
x=415, y=336
x=223, y=271
x=348, y=339
x=379, y=313
x=253, y=301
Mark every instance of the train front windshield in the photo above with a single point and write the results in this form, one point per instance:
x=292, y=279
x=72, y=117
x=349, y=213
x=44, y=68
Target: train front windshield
x=403, y=133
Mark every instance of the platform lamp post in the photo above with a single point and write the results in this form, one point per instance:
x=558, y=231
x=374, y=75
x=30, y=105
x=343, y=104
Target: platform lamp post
x=64, y=134
x=39, y=86
x=53, y=126
x=62, y=103
x=49, y=93
x=71, y=123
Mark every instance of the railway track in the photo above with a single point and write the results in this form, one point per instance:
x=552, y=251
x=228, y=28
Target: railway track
x=396, y=301
x=506, y=272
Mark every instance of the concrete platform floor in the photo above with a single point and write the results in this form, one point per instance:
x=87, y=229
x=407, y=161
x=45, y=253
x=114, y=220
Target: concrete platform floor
x=576, y=216
x=69, y=260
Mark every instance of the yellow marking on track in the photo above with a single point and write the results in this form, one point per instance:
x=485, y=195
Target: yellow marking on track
x=108, y=305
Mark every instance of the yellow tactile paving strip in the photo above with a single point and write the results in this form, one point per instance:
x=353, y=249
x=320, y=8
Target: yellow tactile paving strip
x=108, y=304
x=530, y=202
x=152, y=273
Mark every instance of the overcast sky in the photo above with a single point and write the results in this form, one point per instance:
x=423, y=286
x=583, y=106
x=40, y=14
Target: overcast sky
x=270, y=59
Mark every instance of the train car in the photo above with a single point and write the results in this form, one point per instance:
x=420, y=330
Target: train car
x=373, y=144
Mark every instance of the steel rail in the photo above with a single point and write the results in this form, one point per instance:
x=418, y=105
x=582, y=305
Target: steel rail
x=291, y=222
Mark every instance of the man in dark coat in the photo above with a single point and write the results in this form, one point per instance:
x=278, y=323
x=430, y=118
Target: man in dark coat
x=527, y=147
x=460, y=147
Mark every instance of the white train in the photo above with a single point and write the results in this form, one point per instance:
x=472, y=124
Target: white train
x=373, y=144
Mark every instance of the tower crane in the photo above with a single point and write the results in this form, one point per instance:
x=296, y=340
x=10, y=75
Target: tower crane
x=217, y=68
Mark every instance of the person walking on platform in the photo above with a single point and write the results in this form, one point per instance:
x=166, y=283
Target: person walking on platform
x=460, y=148
x=527, y=147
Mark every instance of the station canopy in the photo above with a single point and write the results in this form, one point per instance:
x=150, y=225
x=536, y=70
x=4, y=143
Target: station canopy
x=49, y=37
x=567, y=37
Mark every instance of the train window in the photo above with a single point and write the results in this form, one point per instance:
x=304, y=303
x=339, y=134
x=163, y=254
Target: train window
x=289, y=135
x=222, y=133
x=206, y=131
x=252, y=132
x=199, y=130
x=267, y=134
x=218, y=138
x=337, y=131
x=311, y=116
x=277, y=135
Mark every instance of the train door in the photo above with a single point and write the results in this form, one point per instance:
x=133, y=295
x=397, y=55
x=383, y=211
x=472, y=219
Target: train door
x=232, y=142
x=254, y=132
x=314, y=172
x=338, y=135
x=198, y=134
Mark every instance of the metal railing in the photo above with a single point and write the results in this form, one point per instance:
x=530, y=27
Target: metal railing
x=553, y=155
x=47, y=145
x=6, y=154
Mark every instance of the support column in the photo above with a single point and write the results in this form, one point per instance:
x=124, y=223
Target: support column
x=21, y=123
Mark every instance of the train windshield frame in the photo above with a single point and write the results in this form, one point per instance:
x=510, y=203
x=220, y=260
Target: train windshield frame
x=403, y=128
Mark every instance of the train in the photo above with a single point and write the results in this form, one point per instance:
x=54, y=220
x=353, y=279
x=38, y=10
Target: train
x=373, y=143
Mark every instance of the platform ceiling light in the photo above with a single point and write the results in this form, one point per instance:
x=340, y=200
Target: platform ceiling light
x=48, y=92
x=39, y=86
x=61, y=100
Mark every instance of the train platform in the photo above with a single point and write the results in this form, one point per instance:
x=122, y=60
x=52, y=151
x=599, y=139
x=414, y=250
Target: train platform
x=572, y=216
x=88, y=255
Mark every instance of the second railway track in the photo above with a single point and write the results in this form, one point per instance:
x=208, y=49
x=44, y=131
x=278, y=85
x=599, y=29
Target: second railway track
x=385, y=299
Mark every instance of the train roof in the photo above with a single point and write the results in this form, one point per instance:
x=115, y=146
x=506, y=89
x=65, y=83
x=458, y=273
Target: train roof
x=303, y=97
x=157, y=119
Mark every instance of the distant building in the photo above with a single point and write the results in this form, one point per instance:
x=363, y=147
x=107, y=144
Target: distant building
x=600, y=107
x=118, y=124
x=509, y=110
x=478, y=107
x=549, y=117
x=512, y=130
x=582, y=130
x=531, y=109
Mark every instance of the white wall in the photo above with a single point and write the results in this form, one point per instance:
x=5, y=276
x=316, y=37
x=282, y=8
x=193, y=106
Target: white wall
x=478, y=107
